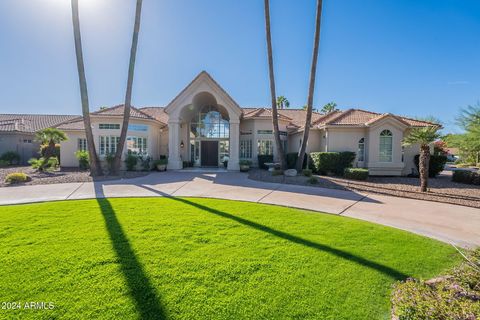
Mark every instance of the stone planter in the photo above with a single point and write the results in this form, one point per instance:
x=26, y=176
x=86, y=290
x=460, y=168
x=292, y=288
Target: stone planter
x=244, y=168
x=161, y=167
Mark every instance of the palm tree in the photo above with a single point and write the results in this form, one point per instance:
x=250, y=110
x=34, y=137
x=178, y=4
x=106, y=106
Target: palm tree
x=311, y=88
x=95, y=168
x=329, y=107
x=276, y=131
x=128, y=94
x=424, y=137
x=283, y=102
x=50, y=137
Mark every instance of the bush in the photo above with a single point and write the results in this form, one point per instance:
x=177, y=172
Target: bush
x=291, y=159
x=11, y=157
x=245, y=162
x=307, y=172
x=43, y=164
x=131, y=160
x=161, y=162
x=356, y=173
x=4, y=163
x=145, y=160
x=312, y=180
x=466, y=176
x=277, y=172
x=82, y=157
x=44, y=147
x=435, y=166
x=332, y=162
x=264, y=158
x=16, y=177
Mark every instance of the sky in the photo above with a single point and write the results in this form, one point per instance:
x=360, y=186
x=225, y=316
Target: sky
x=414, y=58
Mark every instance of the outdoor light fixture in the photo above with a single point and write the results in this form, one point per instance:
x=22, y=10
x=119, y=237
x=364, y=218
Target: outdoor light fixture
x=181, y=144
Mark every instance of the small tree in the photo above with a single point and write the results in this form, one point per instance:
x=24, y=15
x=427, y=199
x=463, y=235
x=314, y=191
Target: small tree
x=50, y=137
x=424, y=137
x=329, y=107
x=282, y=102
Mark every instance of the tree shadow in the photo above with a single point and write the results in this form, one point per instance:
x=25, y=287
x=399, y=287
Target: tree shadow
x=142, y=292
x=390, y=272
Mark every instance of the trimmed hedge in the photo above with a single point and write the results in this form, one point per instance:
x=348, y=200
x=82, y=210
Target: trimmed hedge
x=332, y=162
x=466, y=176
x=264, y=158
x=435, y=166
x=291, y=159
x=356, y=173
x=16, y=177
x=11, y=157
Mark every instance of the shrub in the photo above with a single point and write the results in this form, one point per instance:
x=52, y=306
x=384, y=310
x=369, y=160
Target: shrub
x=16, y=177
x=435, y=166
x=131, y=160
x=44, y=147
x=11, y=157
x=312, y=180
x=277, y=172
x=356, y=173
x=332, y=162
x=160, y=162
x=466, y=176
x=245, y=162
x=109, y=158
x=43, y=164
x=145, y=160
x=264, y=158
x=82, y=157
x=291, y=159
x=3, y=163
x=307, y=172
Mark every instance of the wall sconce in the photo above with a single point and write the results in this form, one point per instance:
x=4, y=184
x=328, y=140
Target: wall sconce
x=181, y=144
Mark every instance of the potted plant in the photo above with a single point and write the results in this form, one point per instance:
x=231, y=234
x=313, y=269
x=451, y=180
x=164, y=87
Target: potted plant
x=225, y=161
x=161, y=164
x=245, y=165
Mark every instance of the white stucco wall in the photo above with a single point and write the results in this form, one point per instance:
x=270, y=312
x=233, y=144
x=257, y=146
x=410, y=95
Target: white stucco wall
x=346, y=139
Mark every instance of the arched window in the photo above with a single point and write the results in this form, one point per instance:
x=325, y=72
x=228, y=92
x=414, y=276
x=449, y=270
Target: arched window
x=209, y=122
x=361, y=150
x=385, y=150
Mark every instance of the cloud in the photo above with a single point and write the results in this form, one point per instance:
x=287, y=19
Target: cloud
x=460, y=82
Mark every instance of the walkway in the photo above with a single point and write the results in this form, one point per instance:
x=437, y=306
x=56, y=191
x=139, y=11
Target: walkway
x=445, y=222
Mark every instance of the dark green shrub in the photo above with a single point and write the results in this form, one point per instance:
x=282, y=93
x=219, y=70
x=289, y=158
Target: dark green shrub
x=56, y=153
x=131, y=160
x=4, y=163
x=264, y=158
x=312, y=180
x=277, y=172
x=435, y=166
x=11, y=157
x=332, y=162
x=466, y=176
x=16, y=177
x=291, y=159
x=82, y=157
x=307, y=172
x=356, y=173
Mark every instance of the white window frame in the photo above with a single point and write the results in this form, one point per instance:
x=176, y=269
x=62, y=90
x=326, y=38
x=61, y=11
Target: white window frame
x=82, y=144
x=361, y=150
x=140, y=144
x=246, y=149
x=109, y=126
x=385, y=148
x=265, y=146
x=108, y=144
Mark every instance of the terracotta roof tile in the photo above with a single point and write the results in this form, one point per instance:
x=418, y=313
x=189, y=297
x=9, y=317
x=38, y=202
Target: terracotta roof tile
x=30, y=122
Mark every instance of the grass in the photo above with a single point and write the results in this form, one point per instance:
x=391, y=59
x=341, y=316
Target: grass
x=186, y=258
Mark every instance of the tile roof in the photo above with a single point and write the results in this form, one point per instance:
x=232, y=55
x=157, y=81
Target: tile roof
x=30, y=123
x=156, y=112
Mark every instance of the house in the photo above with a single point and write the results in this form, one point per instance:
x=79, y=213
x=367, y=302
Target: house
x=17, y=132
x=205, y=126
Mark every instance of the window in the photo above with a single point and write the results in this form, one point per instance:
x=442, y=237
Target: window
x=264, y=131
x=385, y=151
x=361, y=150
x=137, y=144
x=245, y=149
x=224, y=151
x=138, y=127
x=265, y=147
x=108, y=144
x=82, y=144
x=27, y=140
x=209, y=122
x=109, y=126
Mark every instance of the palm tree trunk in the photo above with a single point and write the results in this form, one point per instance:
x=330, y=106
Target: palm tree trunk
x=95, y=168
x=276, y=131
x=311, y=88
x=423, y=166
x=128, y=94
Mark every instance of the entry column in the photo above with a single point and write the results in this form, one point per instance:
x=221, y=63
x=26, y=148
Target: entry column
x=234, y=145
x=174, y=161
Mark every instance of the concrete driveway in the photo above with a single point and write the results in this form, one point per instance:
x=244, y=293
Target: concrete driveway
x=445, y=222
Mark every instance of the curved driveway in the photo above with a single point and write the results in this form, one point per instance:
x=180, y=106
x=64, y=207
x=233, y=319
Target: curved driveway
x=445, y=222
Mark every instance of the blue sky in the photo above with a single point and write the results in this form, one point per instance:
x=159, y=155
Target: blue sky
x=409, y=57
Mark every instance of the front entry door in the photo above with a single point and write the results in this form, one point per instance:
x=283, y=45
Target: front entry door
x=209, y=157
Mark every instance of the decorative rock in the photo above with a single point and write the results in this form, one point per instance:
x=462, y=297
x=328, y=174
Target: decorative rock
x=290, y=173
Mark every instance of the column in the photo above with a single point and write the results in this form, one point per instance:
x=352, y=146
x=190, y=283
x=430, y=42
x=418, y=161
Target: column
x=174, y=161
x=234, y=144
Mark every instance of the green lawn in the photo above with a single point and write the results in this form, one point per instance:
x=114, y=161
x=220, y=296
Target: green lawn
x=185, y=258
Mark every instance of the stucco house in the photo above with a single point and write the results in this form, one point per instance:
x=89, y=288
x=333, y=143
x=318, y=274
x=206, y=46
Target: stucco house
x=204, y=125
x=17, y=132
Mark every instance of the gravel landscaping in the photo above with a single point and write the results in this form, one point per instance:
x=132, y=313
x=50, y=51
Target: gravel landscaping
x=64, y=175
x=441, y=189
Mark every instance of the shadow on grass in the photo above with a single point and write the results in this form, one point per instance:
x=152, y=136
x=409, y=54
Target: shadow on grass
x=392, y=273
x=142, y=292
